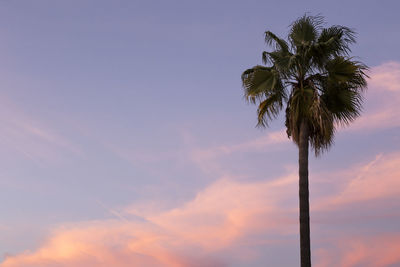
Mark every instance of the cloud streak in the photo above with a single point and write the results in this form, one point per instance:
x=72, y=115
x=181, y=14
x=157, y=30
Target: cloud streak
x=373, y=180
x=23, y=134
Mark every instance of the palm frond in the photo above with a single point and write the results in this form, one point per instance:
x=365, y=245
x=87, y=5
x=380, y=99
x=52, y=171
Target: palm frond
x=332, y=42
x=256, y=81
x=342, y=89
x=337, y=40
x=270, y=108
x=305, y=30
x=272, y=40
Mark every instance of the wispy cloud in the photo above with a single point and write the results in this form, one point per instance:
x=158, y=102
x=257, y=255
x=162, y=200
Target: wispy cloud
x=377, y=250
x=261, y=143
x=24, y=134
x=208, y=159
x=382, y=108
x=372, y=180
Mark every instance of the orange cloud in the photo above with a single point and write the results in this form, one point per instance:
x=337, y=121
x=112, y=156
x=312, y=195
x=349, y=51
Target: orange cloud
x=91, y=244
x=189, y=235
x=226, y=210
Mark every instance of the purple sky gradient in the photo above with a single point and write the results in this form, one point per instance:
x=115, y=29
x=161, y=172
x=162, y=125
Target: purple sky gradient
x=120, y=116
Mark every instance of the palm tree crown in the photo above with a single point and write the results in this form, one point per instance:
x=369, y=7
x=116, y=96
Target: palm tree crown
x=312, y=74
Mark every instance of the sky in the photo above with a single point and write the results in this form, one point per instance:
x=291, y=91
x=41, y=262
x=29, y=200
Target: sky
x=125, y=139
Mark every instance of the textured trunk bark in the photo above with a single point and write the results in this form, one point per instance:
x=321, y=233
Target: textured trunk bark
x=303, y=197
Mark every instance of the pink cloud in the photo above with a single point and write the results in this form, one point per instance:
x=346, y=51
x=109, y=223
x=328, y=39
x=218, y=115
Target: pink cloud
x=208, y=159
x=261, y=143
x=376, y=179
x=227, y=209
x=369, y=251
x=93, y=244
x=386, y=77
x=381, y=106
x=217, y=218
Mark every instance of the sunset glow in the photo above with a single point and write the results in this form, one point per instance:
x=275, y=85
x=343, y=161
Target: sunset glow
x=126, y=141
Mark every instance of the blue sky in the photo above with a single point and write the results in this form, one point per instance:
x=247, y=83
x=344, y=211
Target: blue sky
x=114, y=106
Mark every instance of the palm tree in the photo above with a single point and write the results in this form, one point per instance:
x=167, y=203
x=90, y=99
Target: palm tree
x=311, y=74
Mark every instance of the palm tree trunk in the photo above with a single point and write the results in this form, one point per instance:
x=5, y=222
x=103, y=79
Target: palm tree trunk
x=305, y=252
